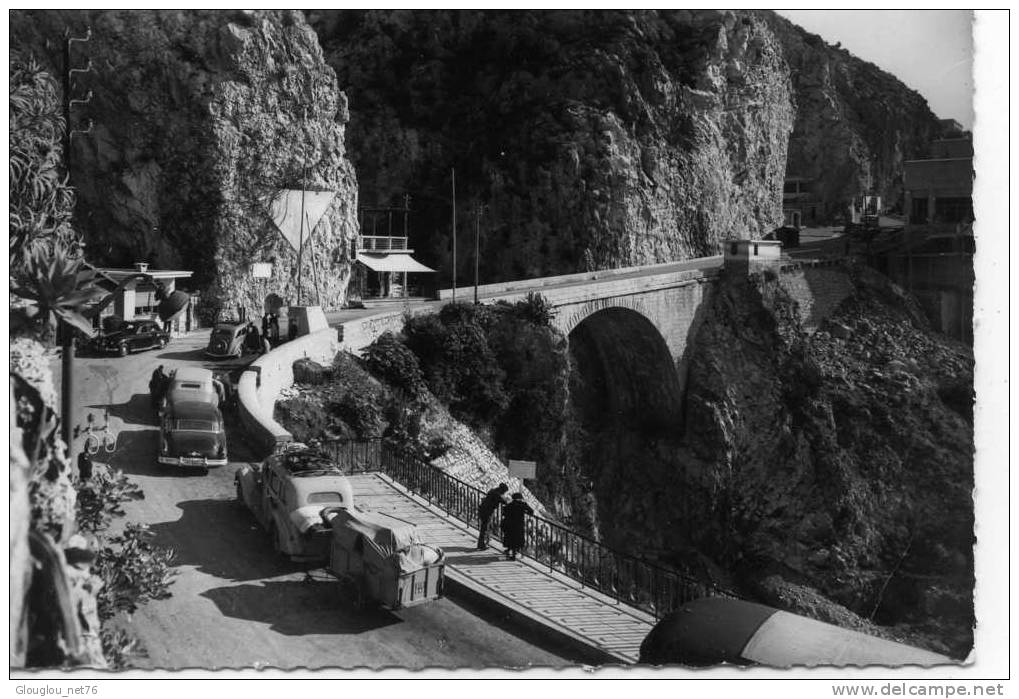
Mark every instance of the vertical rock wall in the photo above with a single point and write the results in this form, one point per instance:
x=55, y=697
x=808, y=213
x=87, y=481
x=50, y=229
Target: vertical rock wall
x=199, y=119
x=594, y=139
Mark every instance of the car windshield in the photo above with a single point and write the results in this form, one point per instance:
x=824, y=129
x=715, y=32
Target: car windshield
x=192, y=425
x=129, y=328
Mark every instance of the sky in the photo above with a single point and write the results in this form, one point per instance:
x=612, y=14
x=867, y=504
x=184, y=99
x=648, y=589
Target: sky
x=930, y=51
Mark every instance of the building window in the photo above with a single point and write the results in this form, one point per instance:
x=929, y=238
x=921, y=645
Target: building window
x=918, y=212
x=755, y=249
x=953, y=209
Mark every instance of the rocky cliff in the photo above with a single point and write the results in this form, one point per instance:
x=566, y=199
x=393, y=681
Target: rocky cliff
x=840, y=460
x=855, y=124
x=199, y=119
x=593, y=139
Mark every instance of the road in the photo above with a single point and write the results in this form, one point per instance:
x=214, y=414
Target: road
x=235, y=603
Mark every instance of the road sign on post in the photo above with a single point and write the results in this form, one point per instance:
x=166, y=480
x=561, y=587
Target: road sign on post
x=524, y=470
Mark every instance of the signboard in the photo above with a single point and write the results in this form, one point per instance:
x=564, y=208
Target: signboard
x=524, y=470
x=261, y=270
x=287, y=208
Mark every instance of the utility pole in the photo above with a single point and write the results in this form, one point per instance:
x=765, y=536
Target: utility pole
x=67, y=334
x=477, y=249
x=453, y=174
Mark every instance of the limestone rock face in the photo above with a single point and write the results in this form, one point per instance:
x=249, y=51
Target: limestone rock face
x=200, y=119
x=855, y=123
x=593, y=139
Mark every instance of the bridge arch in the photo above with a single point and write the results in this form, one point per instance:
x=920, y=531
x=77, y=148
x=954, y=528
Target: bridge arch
x=625, y=376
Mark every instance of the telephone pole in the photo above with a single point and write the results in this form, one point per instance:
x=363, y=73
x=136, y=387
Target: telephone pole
x=477, y=248
x=453, y=174
x=67, y=332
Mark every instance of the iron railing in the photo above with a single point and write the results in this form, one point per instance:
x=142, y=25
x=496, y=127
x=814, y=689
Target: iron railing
x=621, y=576
x=381, y=243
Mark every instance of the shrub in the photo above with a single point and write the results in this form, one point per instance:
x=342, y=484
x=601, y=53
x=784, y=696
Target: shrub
x=535, y=309
x=361, y=412
x=391, y=360
x=133, y=572
x=100, y=499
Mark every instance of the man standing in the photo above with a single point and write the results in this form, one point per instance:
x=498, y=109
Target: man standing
x=486, y=509
x=157, y=386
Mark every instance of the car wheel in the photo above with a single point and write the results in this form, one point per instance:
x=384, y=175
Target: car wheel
x=121, y=350
x=161, y=342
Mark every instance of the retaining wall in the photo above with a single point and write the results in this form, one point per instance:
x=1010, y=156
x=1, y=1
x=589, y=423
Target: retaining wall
x=262, y=381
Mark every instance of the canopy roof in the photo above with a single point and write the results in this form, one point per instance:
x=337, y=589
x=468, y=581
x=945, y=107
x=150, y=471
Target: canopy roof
x=392, y=262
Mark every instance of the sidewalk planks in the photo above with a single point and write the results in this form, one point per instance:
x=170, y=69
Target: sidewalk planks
x=524, y=586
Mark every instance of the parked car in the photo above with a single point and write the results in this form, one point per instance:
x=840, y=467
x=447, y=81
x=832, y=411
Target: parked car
x=192, y=434
x=287, y=493
x=131, y=336
x=227, y=340
x=191, y=384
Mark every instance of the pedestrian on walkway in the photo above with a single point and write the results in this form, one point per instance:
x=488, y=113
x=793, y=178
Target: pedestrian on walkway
x=493, y=498
x=514, y=517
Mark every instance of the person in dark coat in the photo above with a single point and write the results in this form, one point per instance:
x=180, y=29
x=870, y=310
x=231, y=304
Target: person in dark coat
x=157, y=386
x=486, y=509
x=274, y=328
x=514, y=516
x=84, y=465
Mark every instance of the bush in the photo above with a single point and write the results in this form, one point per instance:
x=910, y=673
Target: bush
x=392, y=361
x=535, y=309
x=361, y=412
x=133, y=572
x=100, y=499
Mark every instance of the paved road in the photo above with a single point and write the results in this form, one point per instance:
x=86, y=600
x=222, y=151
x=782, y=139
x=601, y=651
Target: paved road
x=235, y=602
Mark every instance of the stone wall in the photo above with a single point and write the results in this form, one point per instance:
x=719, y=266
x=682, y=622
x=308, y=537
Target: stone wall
x=817, y=291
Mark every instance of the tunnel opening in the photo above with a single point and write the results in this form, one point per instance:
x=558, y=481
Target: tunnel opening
x=626, y=399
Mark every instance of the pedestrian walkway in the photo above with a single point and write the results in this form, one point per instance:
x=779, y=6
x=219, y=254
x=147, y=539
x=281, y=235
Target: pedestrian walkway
x=523, y=587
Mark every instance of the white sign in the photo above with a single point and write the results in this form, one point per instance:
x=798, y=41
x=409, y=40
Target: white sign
x=261, y=270
x=287, y=208
x=524, y=470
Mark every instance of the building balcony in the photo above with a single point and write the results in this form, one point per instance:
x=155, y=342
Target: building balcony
x=382, y=243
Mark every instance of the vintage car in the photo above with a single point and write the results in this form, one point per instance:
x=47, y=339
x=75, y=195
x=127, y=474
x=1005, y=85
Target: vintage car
x=131, y=336
x=191, y=384
x=287, y=493
x=192, y=435
x=227, y=340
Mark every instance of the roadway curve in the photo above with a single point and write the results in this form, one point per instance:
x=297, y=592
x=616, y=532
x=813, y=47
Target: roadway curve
x=235, y=603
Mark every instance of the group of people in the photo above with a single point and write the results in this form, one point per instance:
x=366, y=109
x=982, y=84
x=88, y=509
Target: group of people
x=514, y=514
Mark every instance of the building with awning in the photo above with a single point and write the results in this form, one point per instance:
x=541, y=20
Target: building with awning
x=137, y=298
x=382, y=263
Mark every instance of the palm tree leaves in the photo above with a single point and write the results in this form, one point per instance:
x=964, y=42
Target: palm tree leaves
x=57, y=288
x=41, y=201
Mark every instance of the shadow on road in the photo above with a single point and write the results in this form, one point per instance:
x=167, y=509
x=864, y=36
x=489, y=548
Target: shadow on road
x=136, y=411
x=194, y=355
x=298, y=607
x=221, y=538
x=135, y=455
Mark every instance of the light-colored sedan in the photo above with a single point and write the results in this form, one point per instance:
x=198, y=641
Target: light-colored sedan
x=192, y=384
x=287, y=493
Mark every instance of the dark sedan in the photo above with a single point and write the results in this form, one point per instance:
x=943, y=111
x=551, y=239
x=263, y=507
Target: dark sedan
x=132, y=336
x=192, y=434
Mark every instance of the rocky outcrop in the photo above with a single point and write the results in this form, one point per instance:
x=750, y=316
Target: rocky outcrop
x=855, y=123
x=841, y=460
x=593, y=139
x=199, y=119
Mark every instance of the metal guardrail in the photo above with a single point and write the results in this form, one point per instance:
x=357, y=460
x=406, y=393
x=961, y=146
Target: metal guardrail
x=624, y=577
